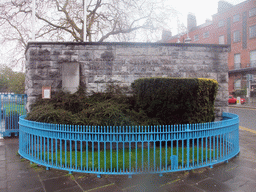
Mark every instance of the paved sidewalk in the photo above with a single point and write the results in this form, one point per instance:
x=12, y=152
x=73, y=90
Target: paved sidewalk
x=239, y=174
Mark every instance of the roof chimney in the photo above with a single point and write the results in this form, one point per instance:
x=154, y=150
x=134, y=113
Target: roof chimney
x=223, y=6
x=208, y=21
x=191, y=22
x=166, y=35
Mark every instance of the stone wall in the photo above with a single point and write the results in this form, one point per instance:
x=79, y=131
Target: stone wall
x=122, y=63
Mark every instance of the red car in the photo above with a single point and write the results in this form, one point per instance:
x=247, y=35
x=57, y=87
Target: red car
x=232, y=100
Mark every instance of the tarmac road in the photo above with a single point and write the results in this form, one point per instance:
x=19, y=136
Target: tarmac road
x=246, y=116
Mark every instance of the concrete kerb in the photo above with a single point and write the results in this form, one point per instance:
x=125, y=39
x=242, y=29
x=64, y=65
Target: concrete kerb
x=243, y=106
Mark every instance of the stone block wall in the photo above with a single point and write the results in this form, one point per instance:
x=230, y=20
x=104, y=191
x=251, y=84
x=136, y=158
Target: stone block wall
x=122, y=63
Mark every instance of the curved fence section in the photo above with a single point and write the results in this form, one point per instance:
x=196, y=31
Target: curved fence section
x=129, y=150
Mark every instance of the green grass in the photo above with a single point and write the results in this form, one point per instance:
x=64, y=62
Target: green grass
x=128, y=156
x=36, y=167
x=14, y=107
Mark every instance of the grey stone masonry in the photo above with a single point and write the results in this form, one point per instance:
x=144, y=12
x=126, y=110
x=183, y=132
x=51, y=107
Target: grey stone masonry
x=122, y=63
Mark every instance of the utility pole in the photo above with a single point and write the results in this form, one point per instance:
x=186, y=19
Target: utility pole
x=85, y=15
x=33, y=20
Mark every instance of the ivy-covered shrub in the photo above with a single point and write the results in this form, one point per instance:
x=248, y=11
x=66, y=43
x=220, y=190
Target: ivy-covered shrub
x=176, y=100
x=112, y=108
x=49, y=114
x=155, y=101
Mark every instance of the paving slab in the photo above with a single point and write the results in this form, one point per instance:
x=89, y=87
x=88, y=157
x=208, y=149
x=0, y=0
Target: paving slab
x=23, y=184
x=111, y=187
x=59, y=183
x=181, y=187
x=71, y=189
x=2, y=173
x=50, y=174
x=241, y=183
x=91, y=181
x=195, y=177
x=3, y=184
x=39, y=189
x=213, y=185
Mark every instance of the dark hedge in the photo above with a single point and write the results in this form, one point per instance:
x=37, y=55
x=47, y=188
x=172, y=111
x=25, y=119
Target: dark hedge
x=176, y=100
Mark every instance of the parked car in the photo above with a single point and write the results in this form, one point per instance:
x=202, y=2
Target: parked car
x=233, y=100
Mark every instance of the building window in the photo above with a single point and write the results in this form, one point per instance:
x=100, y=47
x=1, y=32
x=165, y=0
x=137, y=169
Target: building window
x=252, y=31
x=236, y=36
x=221, y=39
x=221, y=23
x=253, y=58
x=206, y=34
x=196, y=37
x=237, y=84
x=237, y=61
x=236, y=18
x=252, y=12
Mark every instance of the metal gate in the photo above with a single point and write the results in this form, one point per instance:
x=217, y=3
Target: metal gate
x=12, y=106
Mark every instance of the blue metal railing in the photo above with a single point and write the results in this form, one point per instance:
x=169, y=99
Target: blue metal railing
x=129, y=150
x=12, y=106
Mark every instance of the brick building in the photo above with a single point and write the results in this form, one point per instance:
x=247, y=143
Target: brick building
x=234, y=25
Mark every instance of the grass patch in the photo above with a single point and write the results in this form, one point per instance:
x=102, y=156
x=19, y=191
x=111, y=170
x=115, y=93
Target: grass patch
x=36, y=167
x=14, y=107
x=70, y=176
x=125, y=159
x=81, y=177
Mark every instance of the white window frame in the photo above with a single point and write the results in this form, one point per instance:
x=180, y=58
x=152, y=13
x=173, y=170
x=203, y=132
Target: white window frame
x=253, y=58
x=236, y=36
x=252, y=12
x=236, y=18
x=252, y=31
x=206, y=34
x=196, y=37
x=221, y=39
x=237, y=61
x=237, y=84
x=221, y=23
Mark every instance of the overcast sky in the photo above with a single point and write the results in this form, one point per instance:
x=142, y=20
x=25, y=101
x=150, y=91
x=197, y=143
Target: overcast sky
x=203, y=9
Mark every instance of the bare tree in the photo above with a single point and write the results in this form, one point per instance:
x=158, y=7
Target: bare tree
x=62, y=20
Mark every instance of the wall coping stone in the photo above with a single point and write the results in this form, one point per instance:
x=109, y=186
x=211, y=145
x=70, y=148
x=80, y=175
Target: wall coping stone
x=39, y=44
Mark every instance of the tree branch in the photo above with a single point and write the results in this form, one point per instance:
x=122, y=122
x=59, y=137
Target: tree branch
x=20, y=34
x=119, y=32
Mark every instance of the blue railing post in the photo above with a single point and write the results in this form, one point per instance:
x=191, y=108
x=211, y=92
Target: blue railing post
x=188, y=137
x=174, y=162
